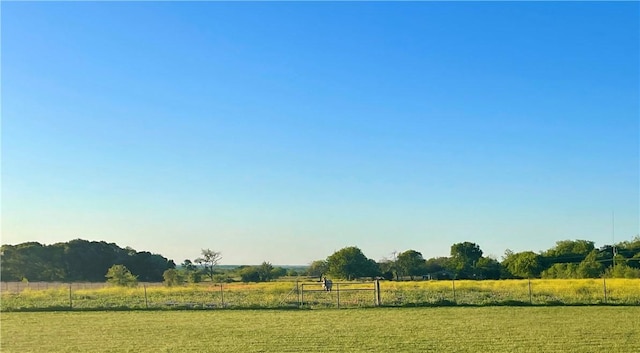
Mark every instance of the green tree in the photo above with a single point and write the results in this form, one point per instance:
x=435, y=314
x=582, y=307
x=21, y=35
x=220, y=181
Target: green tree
x=464, y=257
x=318, y=268
x=567, y=251
x=411, y=263
x=265, y=272
x=120, y=276
x=209, y=260
x=590, y=267
x=387, y=269
x=350, y=263
x=524, y=264
x=278, y=272
x=622, y=271
x=561, y=270
x=33, y=261
x=190, y=272
x=438, y=266
x=172, y=277
x=489, y=268
x=630, y=251
x=249, y=274
x=147, y=266
x=89, y=260
x=77, y=260
x=372, y=269
x=188, y=265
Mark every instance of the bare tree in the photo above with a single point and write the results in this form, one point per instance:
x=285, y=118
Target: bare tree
x=209, y=261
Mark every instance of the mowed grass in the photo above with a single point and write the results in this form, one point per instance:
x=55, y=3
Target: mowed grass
x=442, y=329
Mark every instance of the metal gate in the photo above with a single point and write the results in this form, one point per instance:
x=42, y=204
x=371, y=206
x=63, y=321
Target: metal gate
x=343, y=294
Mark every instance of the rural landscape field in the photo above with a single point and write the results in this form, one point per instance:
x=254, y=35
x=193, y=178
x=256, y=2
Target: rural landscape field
x=308, y=294
x=426, y=316
x=485, y=329
x=320, y=176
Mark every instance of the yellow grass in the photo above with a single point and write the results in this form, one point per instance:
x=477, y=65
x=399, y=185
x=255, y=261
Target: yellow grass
x=288, y=294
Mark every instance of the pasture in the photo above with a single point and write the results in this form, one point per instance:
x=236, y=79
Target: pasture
x=443, y=329
x=291, y=294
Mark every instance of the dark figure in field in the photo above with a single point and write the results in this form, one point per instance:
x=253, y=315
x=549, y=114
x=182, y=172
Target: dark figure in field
x=327, y=284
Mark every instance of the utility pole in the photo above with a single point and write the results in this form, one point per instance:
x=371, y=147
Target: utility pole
x=613, y=240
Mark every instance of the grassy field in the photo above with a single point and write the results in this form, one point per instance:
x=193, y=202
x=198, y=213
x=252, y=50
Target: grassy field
x=352, y=294
x=446, y=329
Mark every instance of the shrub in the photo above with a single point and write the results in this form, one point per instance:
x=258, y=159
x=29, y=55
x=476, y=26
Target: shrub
x=172, y=277
x=120, y=276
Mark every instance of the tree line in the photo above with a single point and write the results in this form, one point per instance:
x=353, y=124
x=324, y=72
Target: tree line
x=77, y=261
x=81, y=260
x=206, y=266
x=567, y=259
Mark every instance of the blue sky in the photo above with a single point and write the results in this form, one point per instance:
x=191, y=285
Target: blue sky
x=282, y=132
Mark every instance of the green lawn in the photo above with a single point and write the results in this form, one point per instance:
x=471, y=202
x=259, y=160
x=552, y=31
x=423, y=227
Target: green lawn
x=444, y=329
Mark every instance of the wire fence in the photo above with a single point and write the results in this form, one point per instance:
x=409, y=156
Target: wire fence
x=34, y=296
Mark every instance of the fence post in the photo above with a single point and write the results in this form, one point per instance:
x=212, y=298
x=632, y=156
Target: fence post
x=146, y=301
x=70, y=299
x=604, y=285
x=221, y=296
x=298, y=293
x=338, y=291
x=302, y=295
x=453, y=281
x=530, y=295
x=376, y=290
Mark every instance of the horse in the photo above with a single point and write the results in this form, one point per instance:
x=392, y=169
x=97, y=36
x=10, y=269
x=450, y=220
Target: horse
x=327, y=284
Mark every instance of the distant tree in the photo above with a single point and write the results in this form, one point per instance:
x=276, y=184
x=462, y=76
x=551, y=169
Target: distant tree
x=372, y=269
x=622, y=271
x=635, y=261
x=172, y=277
x=190, y=272
x=278, y=272
x=222, y=278
x=350, y=263
x=76, y=260
x=264, y=272
x=249, y=274
x=147, y=266
x=489, y=268
x=590, y=267
x=387, y=269
x=120, y=276
x=32, y=261
x=464, y=257
x=438, y=265
x=567, y=251
x=411, y=263
x=318, y=268
x=561, y=270
x=209, y=260
x=188, y=265
x=630, y=252
x=194, y=277
x=524, y=264
x=89, y=260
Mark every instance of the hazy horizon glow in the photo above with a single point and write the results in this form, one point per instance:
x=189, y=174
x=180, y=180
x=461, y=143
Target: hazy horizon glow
x=283, y=132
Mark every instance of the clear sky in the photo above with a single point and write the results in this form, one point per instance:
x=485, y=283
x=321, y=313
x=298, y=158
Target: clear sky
x=283, y=132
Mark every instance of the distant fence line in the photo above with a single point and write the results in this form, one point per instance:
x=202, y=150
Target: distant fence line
x=17, y=287
x=87, y=296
